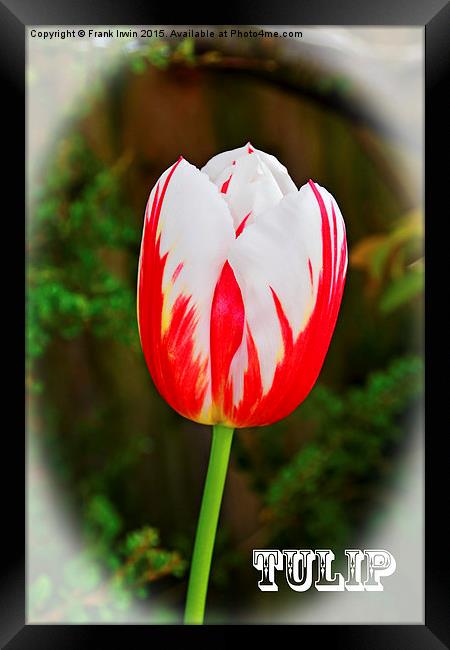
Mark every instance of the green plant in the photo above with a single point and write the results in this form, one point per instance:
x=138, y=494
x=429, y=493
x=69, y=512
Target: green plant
x=323, y=492
x=393, y=262
x=80, y=221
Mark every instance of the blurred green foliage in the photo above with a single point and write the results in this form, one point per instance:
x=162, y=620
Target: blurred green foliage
x=161, y=54
x=340, y=470
x=80, y=217
x=393, y=262
x=100, y=582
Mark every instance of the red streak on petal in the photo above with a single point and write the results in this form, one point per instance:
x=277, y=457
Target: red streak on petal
x=176, y=273
x=227, y=326
x=224, y=187
x=310, y=271
x=241, y=413
x=250, y=150
x=179, y=376
x=241, y=226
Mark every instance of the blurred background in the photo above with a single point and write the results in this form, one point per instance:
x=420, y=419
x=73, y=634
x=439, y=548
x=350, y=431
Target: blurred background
x=114, y=476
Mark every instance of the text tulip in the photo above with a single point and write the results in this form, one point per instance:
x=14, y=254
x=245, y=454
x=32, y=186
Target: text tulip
x=240, y=282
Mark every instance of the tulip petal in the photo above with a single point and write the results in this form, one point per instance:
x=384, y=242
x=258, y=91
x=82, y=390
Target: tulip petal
x=249, y=188
x=217, y=164
x=290, y=265
x=279, y=171
x=187, y=233
x=251, y=181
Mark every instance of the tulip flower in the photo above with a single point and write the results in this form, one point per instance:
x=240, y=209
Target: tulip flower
x=240, y=282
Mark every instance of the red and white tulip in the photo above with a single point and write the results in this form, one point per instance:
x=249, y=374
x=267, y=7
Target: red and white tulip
x=240, y=282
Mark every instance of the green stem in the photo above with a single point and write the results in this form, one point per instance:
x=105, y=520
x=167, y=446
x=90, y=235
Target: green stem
x=207, y=524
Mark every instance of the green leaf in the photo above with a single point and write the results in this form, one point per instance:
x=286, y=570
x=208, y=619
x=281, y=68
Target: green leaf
x=402, y=290
x=138, y=65
x=102, y=518
x=187, y=49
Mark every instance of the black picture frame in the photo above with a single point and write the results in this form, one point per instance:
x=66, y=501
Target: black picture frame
x=434, y=15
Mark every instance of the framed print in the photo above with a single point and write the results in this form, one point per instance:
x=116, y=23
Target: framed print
x=225, y=312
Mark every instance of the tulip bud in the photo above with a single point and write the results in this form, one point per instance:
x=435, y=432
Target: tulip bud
x=240, y=282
